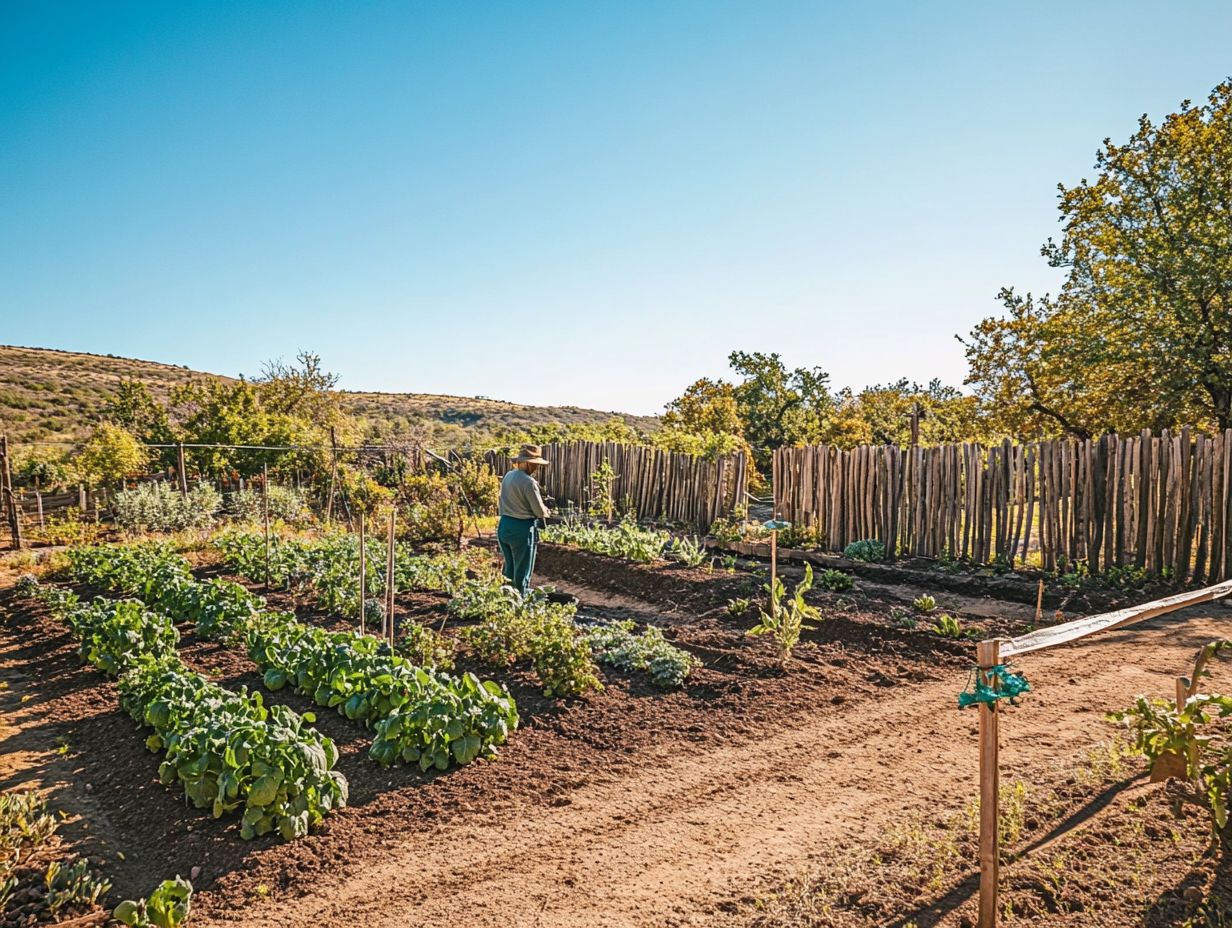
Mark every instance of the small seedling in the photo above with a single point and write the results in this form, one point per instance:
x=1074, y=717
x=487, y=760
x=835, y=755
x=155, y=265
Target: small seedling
x=924, y=604
x=949, y=627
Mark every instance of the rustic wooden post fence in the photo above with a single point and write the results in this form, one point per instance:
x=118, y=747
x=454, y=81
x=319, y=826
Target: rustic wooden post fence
x=1157, y=503
x=11, y=509
x=992, y=653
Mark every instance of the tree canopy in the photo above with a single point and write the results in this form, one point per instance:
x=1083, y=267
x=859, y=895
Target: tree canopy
x=1140, y=335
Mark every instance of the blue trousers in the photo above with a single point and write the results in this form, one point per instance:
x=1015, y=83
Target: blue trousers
x=517, y=539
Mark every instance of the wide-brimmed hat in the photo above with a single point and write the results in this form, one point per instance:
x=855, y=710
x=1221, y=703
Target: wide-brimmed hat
x=530, y=454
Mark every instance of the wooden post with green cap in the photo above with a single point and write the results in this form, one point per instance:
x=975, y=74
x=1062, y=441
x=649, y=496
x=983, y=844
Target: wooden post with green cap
x=775, y=525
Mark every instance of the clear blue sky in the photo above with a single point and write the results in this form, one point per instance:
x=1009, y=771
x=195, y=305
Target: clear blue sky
x=568, y=202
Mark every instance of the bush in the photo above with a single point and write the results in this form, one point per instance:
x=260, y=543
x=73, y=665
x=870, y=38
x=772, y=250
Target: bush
x=476, y=486
x=286, y=504
x=426, y=510
x=160, y=507
x=865, y=550
x=68, y=528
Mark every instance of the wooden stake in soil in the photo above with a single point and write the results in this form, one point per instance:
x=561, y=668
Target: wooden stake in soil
x=775, y=525
x=363, y=578
x=265, y=517
x=6, y=489
x=988, y=655
x=1039, y=603
x=389, y=579
x=181, y=469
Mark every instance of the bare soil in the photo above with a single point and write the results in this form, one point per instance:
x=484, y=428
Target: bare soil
x=632, y=807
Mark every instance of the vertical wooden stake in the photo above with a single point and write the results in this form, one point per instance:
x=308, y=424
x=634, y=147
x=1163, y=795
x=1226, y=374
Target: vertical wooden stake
x=988, y=655
x=774, y=570
x=181, y=469
x=1039, y=603
x=363, y=574
x=6, y=490
x=333, y=474
x=265, y=515
x=1182, y=693
x=389, y=578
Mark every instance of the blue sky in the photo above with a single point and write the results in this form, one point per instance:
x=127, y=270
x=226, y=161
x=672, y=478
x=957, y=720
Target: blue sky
x=587, y=203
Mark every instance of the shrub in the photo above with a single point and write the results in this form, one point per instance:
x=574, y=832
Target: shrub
x=865, y=550
x=426, y=510
x=160, y=507
x=286, y=504
x=476, y=486
x=68, y=527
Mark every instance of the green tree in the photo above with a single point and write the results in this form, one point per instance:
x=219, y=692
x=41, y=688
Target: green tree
x=882, y=415
x=780, y=406
x=706, y=407
x=1141, y=332
x=134, y=408
x=110, y=455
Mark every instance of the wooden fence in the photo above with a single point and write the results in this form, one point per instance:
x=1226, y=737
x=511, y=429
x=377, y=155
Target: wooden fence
x=1161, y=503
x=655, y=484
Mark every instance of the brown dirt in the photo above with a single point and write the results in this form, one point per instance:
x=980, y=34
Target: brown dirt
x=633, y=807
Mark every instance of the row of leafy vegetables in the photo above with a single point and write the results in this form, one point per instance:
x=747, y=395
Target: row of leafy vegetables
x=512, y=629
x=420, y=715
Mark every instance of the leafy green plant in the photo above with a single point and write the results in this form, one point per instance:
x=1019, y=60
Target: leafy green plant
x=786, y=619
x=75, y=884
x=739, y=606
x=689, y=551
x=727, y=530
x=924, y=604
x=625, y=540
x=618, y=645
x=947, y=626
x=425, y=647
x=835, y=581
x=601, y=498
x=114, y=634
x=865, y=550
x=514, y=628
x=168, y=906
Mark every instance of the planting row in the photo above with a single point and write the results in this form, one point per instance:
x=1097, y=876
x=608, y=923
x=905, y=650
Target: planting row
x=227, y=749
x=511, y=629
x=420, y=715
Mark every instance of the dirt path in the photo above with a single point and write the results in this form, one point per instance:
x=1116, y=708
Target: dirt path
x=676, y=841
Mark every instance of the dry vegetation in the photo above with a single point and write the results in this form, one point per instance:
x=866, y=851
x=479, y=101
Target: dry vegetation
x=46, y=394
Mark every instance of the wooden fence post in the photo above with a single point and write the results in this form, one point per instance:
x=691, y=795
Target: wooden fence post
x=988, y=655
x=10, y=499
x=181, y=468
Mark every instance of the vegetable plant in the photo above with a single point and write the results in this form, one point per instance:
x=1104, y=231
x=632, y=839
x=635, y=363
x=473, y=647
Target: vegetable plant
x=787, y=618
x=626, y=540
x=689, y=551
x=835, y=581
x=865, y=550
x=168, y=906
x=949, y=627
x=617, y=644
x=924, y=604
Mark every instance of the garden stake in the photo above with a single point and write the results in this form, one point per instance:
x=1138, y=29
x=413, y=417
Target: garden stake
x=1039, y=603
x=775, y=525
x=988, y=656
x=265, y=513
x=389, y=578
x=362, y=577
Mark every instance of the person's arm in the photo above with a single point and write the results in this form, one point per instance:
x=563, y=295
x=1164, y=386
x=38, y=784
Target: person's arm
x=540, y=507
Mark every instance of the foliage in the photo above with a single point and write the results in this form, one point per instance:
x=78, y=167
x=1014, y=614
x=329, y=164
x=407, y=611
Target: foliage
x=1141, y=334
x=67, y=527
x=881, y=415
x=109, y=455
x=514, y=628
x=835, y=581
x=426, y=510
x=115, y=634
x=424, y=647
x=924, y=604
x=286, y=504
x=785, y=619
x=231, y=752
x=618, y=645
x=689, y=551
x=601, y=491
x=160, y=507
x=477, y=488
x=947, y=626
x=625, y=540
x=779, y=406
x=43, y=468
x=25, y=826
x=865, y=550
x=168, y=906
x=800, y=536
x=73, y=885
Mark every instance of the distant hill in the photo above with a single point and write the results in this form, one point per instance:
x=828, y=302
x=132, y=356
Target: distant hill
x=47, y=394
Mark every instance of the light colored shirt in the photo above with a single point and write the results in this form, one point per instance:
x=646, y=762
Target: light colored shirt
x=520, y=497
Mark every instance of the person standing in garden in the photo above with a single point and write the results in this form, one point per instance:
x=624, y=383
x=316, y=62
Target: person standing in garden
x=521, y=508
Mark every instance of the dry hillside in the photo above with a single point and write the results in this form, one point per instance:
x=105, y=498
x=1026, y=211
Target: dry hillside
x=47, y=394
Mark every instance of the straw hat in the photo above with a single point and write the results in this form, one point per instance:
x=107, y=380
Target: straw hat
x=530, y=454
